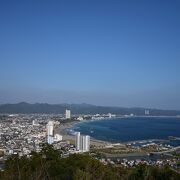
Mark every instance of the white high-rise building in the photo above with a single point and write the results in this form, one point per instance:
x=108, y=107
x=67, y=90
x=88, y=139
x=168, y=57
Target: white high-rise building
x=68, y=114
x=50, y=128
x=87, y=143
x=146, y=112
x=50, y=132
x=82, y=142
x=77, y=141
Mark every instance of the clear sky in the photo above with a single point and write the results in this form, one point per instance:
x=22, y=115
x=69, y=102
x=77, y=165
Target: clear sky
x=117, y=53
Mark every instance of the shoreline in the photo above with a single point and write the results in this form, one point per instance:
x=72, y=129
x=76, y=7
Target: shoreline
x=63, y=130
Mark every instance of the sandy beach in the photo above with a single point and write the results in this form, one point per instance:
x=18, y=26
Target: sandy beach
x=61, y=129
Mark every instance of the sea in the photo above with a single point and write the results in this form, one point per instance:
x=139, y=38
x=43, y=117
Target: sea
x=133, y=129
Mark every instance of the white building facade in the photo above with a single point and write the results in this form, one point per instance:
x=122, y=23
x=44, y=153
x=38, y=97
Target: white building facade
x=82, y=143
x=50, y=132
x=77, y=141
x=50, y=128
x=50, y=139
x=57, y=137
x=68, y=114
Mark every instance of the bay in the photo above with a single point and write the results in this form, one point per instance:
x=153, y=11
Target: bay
x=131, y=129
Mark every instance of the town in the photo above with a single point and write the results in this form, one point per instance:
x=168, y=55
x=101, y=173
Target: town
x=22, y=134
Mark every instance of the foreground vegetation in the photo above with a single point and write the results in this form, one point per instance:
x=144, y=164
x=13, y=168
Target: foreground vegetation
x=48, y=164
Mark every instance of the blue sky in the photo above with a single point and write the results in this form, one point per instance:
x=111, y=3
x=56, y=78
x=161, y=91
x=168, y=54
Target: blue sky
x=117, y=53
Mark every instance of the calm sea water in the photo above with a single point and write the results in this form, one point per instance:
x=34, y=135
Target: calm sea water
x=131, y=129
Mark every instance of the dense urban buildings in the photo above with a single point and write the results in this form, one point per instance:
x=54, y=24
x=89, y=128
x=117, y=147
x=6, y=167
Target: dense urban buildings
x=20, y=134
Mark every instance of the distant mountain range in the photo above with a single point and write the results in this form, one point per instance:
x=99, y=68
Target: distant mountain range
x=24, y=107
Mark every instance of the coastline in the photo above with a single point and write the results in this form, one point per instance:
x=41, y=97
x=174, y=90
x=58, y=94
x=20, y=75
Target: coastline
x=65, y=130
x=62, y=129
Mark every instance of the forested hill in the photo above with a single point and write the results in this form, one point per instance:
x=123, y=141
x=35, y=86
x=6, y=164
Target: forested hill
x=80, y=109
x=48, y=164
